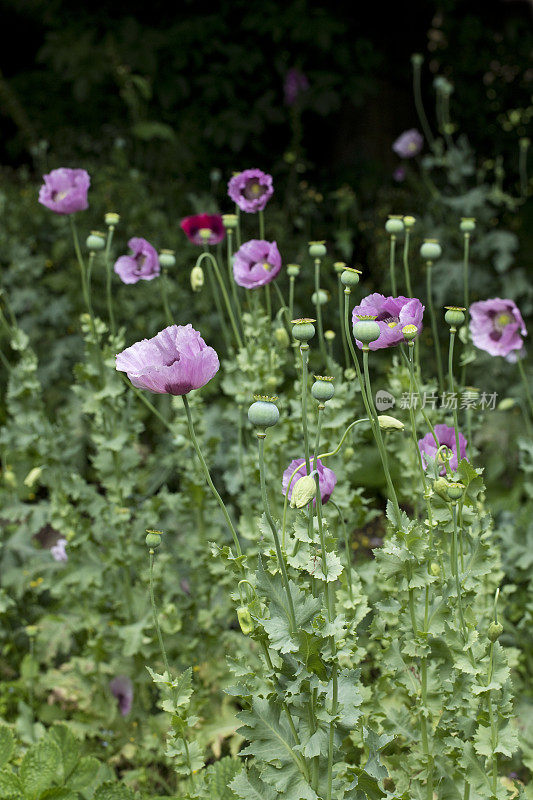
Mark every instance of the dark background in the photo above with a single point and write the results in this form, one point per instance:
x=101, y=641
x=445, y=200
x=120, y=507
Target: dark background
x=183, y=89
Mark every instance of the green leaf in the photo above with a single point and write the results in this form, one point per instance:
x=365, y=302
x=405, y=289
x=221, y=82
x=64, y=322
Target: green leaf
x=247, y=785
x=7, y=743
x=10, y=784
x=376, y=744
x=85, y=774
x=113, y=791
x=68, y=746
x=40, y=767
x=220, y=775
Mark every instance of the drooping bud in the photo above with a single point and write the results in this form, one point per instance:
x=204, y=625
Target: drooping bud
x=389, y=423
x=167, y=258
x=95, y=241
x=245, y=620
x=317, y=249
x=431, y=250
x=282, y=337
x=197, y=278
x=323, y=388
x=303, y=491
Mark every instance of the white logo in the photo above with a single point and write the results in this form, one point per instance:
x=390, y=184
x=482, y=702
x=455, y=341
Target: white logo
x=384, y=400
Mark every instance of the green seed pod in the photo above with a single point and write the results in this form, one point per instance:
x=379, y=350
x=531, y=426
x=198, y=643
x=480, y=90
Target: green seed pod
x=409, y=221
x=197, y=278
x=366, y=330
x=245, y=620
x=350, y=277
x=153, y=539
x=434, y=569
x=317, y=249
x=417, y=59
x=263, y=413
x=410, y=332
x=455, y=491
x=339, y=266
x=329, y=335
x=230, y=221
x=431, y=250
x=281, y=337
x=323, y=297
x=95, y=241
x=394, y=224
x=495, y=631
x=323, y=389
x=467, y=224
x=303, y=491
x=303, y=329
x=293, y=270
x=112, y=219
x=440, y=487
x=454, y=316
x=167, y=258
x=387, y=423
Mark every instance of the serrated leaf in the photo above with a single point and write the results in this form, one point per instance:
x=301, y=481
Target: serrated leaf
x=10, y=784
x=40, y=767
x=68, y=746
x=7, y=743
x=220, y=775
x=247, y=785
x=85, y=774
x=110, y=790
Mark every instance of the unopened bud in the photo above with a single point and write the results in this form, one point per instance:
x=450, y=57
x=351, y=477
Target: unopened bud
x=495, y=631
x=304, y=490
x=197, y=278
x=245, y=620
x=389, y=423
x=282, y=337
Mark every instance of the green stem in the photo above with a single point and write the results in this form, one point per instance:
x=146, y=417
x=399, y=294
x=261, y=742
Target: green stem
x=466, y=291
x=452, y=390
x=268, y=302
x=84, y=286
x=406, y=270
x=346, y=547
x=208, y=476
x=291, y=296
x=522, y=166
x=304, y=352
x=163, y=284
x=434, y=329
x=210, y=257
x=332, y=731
x=231, y=278
x=343, y=329
x=419, y=105
x=392, y=264
x=321, y=343
x=279, y=554
x=525, y=382
x=108, y=283
x=261, y=225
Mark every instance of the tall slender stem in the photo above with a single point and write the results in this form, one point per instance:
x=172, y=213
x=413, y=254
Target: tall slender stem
x=525, y=382
x=291, y=296
x=320, y=326
x=163, y=284
x=231, y=278
x=207, y=475
x=108, y=282
x=419, y=105
x=341, y=322
x=210, y=257
x=406, y=270
x=466, y=291
x=304, y=351
x=452, y=391
x=279, y=554
x=261, y=225
x=347, y=553
x=434, y=329
x=392, y=264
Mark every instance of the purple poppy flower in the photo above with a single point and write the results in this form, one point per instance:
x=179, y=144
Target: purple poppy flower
x=295, y=84
x=256, y=263
x=399, y=174
x=408, y=144
x=392, y=314
x=65, y=190
x=143, y=264
x=122, y=688
x=175, y=361
x=497, y=326
x=251, y=190
x=58, y=550
x=445, y=435
x=326, y=478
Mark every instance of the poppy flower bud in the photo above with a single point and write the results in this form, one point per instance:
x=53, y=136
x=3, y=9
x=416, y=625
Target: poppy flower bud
x=506, y=404
x=366, y=329
x=409, y=221
x=454, y=316
x=339, y=266
x=495, y=631
x=167, y=258
x=329, y=335
x=431, y=250
x=440, y=487
x=293, y=270
x=230, y=221
x=153, y=539
x=322, y=389
x=245, y=620
x=394, y=224
x=317, y=249
x=111, y=219
x=320, y=298
x=197, y=278
x=434, y=569
x=264, y=412
x=349, y=452
x=387, y=423
x=95, y=241
x=467, y=224
x=350, y=277
x=417, y=59
x=303, y=491
x=303, y=329
x=455, y=491
x=282, y=337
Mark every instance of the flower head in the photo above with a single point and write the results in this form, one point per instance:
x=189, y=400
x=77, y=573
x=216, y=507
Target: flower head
x=175, y=361
x=143, y=264
x=58, y=550
x=295, y=84
x=399, y=174
x=251, y=190
x=65, y=190
x=256, y=263
x=122, y=688
x=497, y=326
x=408, y=144
x=203, y=228
x=392, y=314
x=446, y=436
x=326, y=477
